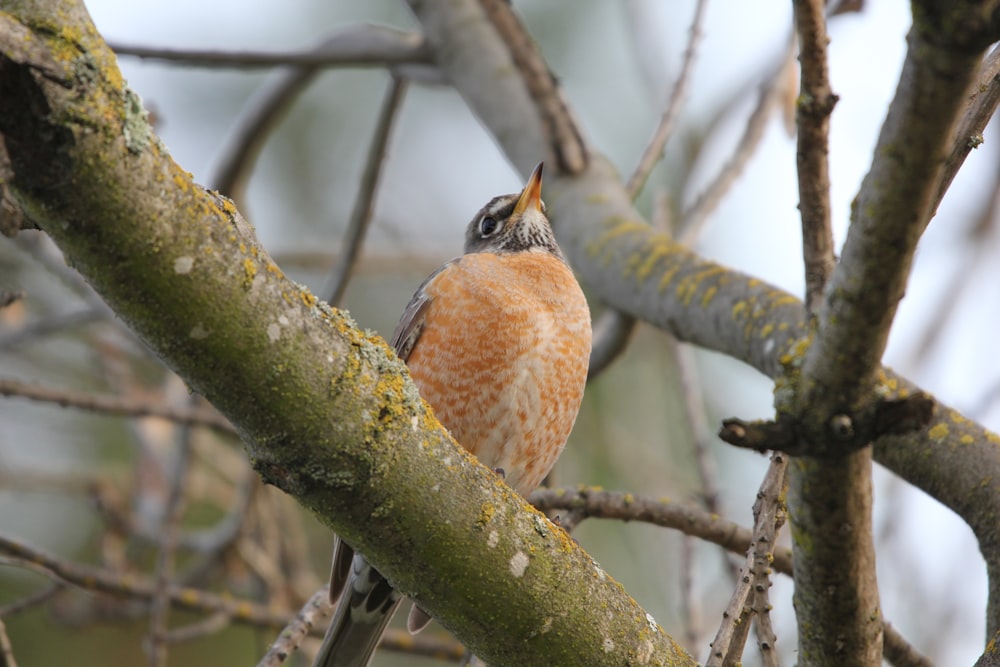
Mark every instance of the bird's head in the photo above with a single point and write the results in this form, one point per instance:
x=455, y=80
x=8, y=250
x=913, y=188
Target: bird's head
x=513, y=223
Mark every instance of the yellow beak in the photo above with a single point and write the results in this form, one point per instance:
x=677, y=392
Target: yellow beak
x=531, y=196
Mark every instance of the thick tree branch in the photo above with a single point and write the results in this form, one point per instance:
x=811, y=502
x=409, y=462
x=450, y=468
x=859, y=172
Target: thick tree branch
x=835, y=567
x=327, y=413
x=649, y=276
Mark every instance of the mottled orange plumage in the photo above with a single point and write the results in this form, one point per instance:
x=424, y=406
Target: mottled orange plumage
x=503, y=358
x=498, y=342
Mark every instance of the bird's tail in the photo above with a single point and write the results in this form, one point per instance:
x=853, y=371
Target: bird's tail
x=365, y=608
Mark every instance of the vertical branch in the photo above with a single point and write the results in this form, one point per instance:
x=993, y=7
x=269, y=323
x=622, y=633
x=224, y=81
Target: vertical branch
x=654, y=151
x=160, y=608
x=751, y=589
x=815, y=104
x=362, y=213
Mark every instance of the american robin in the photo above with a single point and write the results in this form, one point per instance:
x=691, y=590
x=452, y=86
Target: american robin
x=498, y=342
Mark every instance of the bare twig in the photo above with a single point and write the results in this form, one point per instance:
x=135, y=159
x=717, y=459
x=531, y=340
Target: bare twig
x=695, y=216
x=292, y=635
x=365, y=45
x=160, y=606
x=114, y=405
x=206, y=627
x=28, y=601
x=364, y=204
x=768, y=518
x=239, y=610
x=563, y=135
x=968, y=133
x=6, y=649
x=816, y=102
x=52, y=324
x=898, y=652
x=690, y=606
x=654, y=150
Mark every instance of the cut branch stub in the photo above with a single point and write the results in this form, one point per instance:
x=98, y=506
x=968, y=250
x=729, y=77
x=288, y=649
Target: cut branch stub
x=835, y=436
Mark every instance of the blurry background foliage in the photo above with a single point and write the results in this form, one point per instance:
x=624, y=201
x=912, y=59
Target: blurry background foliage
x=93, y=488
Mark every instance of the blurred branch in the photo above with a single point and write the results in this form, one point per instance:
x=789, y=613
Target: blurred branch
x=297, y=629
x=279, y=362
x=159, y=608
x=364, y=205
x=654, y=150
x=898, y=653
x=968, y=135
x=612, y=331
x=32, y=600
x=32, y=332
x=563, y=135
x=115, y=405
x=614, y=328
x=6, y=649
x=698, y=212
x=364, y=45
x=138, y=587
x=815, y=104
x=262, y=113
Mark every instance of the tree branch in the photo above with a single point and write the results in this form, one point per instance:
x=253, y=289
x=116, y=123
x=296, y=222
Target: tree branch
x=327, y=413
x=361, y=45
x=649, y=276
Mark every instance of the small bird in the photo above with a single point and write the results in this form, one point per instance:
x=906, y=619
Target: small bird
x=498, y=343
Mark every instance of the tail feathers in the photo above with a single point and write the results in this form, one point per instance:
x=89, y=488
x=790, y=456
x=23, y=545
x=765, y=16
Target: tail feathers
x=364, y=611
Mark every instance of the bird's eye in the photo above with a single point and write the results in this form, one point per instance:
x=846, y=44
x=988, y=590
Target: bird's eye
x=488, y=225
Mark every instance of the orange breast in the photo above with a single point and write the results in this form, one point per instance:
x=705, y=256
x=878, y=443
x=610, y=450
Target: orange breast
x=503, y=359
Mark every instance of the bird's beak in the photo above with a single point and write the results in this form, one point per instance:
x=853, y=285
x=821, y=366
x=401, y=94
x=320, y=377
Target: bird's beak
x=531, y=196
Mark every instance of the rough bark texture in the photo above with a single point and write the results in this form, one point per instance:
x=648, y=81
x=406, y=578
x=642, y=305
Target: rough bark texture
x=327, y=412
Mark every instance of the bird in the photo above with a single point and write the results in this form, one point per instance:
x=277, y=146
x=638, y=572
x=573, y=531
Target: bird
x=497, y=342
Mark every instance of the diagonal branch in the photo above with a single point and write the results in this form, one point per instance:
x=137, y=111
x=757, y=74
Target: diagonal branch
x=649, y=276
x=327, y=413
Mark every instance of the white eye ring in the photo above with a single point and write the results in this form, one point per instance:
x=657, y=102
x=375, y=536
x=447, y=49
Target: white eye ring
x=488, y=226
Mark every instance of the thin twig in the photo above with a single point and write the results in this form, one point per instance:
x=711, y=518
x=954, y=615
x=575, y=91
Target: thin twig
x=815, y=104
x=291, y=636
x=654, y=150
x=768, y=518
x=361, y=215
x=695, y=216
x=28, y=601
x=562, y=133
x=690, y=607
x=969, y=130
x=160, y=608
x=898, y=652
x=115, y=405
x=242, y=611
x=694, y=411
x=206, y=627
x=365, y=45
x=6, y=649
x=52, y=324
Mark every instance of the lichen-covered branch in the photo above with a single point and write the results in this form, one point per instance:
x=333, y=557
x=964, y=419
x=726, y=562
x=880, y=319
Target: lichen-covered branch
x=646, y=274
x=327, y=413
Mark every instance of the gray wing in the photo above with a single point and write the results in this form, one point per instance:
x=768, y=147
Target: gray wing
x=411, y=324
